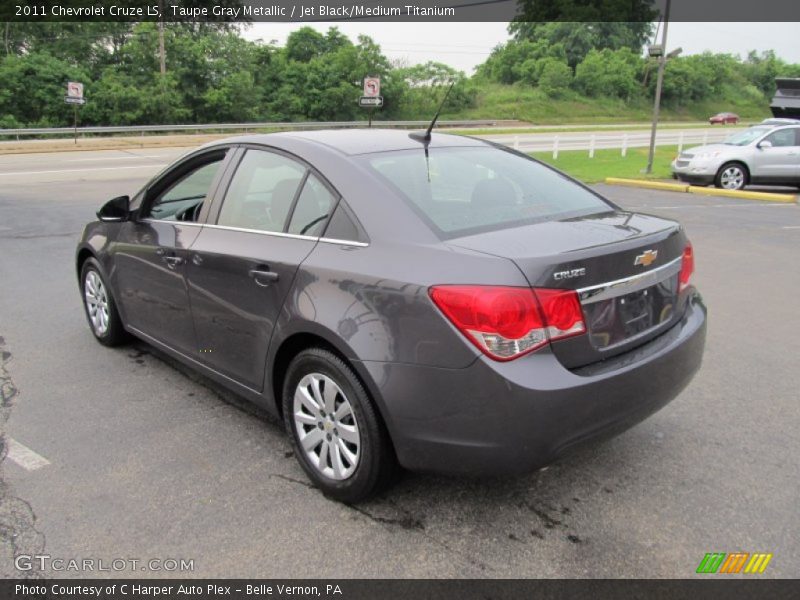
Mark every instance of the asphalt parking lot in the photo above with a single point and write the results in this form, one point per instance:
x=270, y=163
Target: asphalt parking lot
x=122, y=454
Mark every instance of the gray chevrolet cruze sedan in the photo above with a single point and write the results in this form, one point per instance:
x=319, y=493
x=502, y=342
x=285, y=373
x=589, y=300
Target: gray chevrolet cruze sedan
x=440, y=304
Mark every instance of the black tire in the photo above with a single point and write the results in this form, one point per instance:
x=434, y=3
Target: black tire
x=376, y=465
x=113, y=333
x=726, y=169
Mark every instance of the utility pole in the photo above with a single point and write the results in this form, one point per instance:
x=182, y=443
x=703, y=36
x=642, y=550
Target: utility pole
x=662, y=62
x=161, y=52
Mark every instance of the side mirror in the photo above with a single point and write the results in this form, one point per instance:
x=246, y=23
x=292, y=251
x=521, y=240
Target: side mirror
x=765, y=144
x=115, y=210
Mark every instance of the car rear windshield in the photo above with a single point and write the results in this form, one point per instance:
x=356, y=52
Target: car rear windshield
x=462, y=191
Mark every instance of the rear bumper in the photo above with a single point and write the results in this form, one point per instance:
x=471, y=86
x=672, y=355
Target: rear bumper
x=503, y=418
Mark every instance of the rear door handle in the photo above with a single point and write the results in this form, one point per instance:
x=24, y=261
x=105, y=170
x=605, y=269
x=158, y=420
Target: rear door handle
x=173, y=261
x=263, y=276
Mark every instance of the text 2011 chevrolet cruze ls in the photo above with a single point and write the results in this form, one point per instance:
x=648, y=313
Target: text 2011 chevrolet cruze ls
x=443, y=304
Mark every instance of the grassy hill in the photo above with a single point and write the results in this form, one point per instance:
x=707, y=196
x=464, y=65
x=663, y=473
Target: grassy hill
x=498, y=101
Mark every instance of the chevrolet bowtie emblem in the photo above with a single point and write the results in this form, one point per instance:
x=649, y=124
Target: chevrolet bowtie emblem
x=647, y=258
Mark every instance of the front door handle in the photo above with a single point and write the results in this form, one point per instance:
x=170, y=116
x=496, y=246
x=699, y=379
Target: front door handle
x=263, y=276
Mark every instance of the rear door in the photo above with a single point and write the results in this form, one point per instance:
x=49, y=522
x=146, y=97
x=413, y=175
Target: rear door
x=244, y=261
x=152, y=251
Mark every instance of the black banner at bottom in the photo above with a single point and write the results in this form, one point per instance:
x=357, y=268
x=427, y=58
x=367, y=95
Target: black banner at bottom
x=383, y=589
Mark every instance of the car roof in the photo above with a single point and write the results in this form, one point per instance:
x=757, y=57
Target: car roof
x=780, y=121
x=356, y=141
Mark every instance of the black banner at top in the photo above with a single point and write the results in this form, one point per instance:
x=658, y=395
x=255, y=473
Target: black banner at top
x=398, y=10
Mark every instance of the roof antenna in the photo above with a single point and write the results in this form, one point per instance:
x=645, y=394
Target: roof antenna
x=425, y=138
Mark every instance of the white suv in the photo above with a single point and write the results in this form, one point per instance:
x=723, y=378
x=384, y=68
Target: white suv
x=762, y=154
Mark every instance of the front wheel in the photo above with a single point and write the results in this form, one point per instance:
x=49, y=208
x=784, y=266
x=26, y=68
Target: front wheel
x=337, y=435
x=731, y=176
x=101, y=310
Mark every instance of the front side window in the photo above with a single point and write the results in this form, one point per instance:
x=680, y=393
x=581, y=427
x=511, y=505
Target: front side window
x=261, y=192
x=459, y=191
x=182, y=200
x=782, y=138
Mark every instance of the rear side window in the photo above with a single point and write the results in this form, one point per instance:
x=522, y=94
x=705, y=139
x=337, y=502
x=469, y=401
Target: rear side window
x=460, y=191
x=261, y=192
x=344, y=226
x=312, y=209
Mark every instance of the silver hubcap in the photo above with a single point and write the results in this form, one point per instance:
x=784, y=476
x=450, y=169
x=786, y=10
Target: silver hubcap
x=96, y=302
x=326, y=426
x=732, y=178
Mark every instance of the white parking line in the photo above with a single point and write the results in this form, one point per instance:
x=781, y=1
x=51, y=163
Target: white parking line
x=791, y=227
x=83, y=170
x=24, y=456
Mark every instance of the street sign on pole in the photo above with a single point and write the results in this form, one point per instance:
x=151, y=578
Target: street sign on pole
x=371, y=101
x=74, y=90
x=75, y=97
x=372, y=87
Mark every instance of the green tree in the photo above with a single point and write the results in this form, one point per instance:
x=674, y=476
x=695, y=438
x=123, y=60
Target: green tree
x=555, y=78
x=578, y=39
x=33, y=89
x=611, y=73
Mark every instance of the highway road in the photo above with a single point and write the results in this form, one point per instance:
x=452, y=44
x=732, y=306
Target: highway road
x=121, y=453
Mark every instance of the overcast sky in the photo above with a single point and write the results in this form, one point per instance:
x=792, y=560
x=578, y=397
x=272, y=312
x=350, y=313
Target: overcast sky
x=466, y=45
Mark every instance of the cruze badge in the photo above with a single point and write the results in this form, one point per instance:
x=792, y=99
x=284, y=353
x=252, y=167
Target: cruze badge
x=647, y=258
x=569, y=274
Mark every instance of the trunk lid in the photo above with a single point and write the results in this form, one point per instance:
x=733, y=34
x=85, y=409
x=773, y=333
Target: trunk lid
x=624, y=265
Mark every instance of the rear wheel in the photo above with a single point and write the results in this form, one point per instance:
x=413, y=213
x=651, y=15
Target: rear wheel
x=101, y=310
x=337, y=435
x=732, y=176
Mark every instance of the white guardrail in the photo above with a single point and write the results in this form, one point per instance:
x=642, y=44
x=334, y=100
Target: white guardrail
x=142, y=129
x=527, y=142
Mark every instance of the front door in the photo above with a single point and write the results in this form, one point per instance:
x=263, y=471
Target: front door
x=780, y=162
x=152, y=250
x=242, y=267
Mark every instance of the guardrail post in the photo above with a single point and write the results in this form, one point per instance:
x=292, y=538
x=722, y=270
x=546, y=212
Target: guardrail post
x=624, y=152
x=680, y=142
x=591, y=147
x=555, y=147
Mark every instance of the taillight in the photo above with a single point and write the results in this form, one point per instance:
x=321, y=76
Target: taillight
x=507, y=322
x=687, y=266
